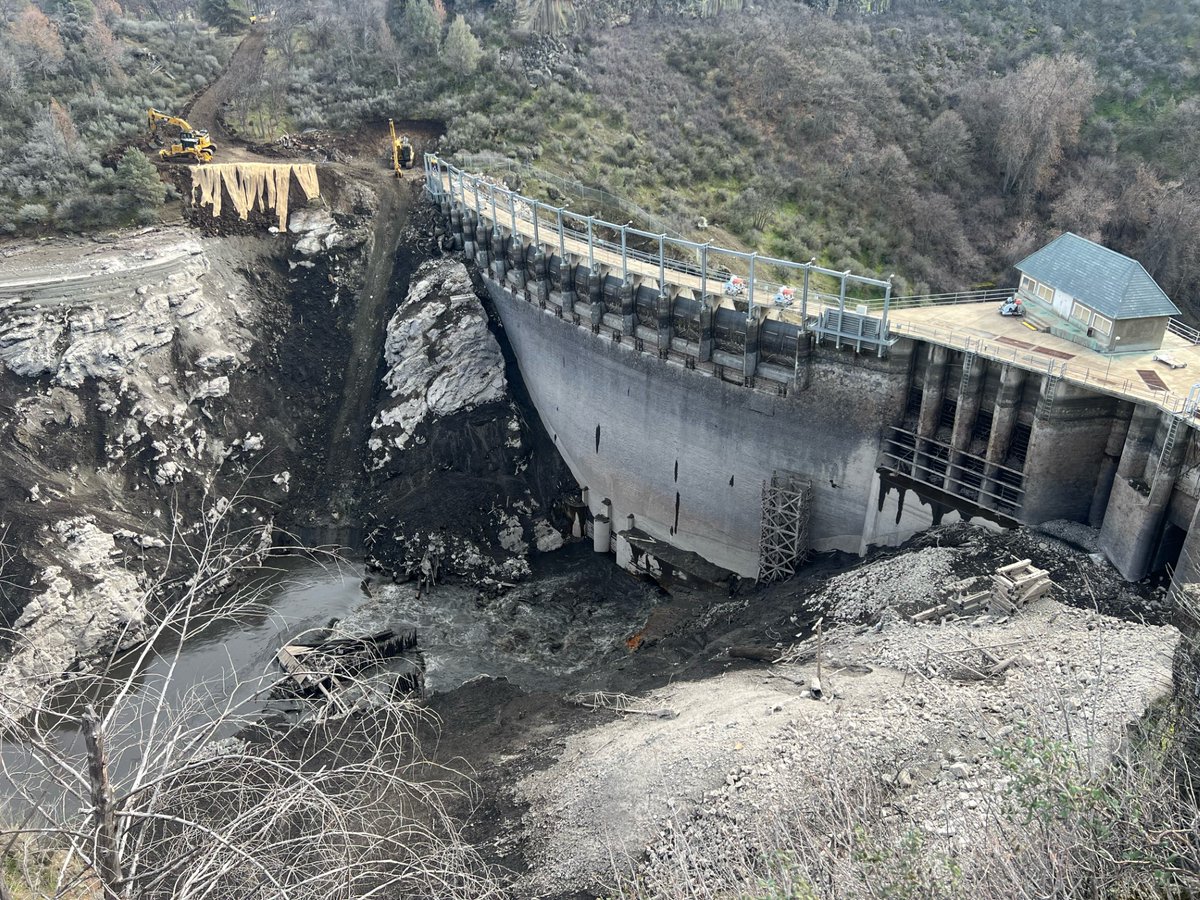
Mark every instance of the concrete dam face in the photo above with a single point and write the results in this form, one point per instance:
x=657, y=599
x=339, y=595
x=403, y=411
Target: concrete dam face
x=711, y=436
x=686, y=453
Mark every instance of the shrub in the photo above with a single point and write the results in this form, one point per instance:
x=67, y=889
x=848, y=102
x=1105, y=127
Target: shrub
x=33, y=214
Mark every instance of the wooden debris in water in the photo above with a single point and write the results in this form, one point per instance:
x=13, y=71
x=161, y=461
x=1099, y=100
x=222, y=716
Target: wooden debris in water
x=317, y=664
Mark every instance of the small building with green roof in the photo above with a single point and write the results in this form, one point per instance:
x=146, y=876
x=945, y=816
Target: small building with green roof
x=1106, y=301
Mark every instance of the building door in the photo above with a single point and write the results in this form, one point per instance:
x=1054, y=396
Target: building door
x=1062, y=303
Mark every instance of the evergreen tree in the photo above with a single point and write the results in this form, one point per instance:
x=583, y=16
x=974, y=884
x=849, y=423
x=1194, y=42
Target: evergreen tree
x=461, y=48
x=227, y=15
x=139, y=189
x=420, y=27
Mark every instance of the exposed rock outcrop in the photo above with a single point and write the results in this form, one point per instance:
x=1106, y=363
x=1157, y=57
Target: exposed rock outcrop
x=88, y=600
x=441, y=357
x=461, y=472
x=137, y=387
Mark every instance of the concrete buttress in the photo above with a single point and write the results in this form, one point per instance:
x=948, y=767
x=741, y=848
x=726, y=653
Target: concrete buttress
x=1071, y=427
x=707, y=317
x=664, y=308
x=751, y=352
x=1141, y=493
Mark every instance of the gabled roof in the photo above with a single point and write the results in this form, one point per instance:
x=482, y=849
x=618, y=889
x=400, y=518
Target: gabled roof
x=1110, y=283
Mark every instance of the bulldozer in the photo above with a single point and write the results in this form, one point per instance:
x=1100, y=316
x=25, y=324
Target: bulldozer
x=179, y=142
x=403, y=154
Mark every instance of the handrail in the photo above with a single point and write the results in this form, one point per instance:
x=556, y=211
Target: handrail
x=506, y=209
x=951, y=299
x=494, y=161
x=1038, y=362
x=1187, y=332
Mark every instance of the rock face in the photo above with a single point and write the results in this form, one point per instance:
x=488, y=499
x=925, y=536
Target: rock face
x=140, y=386
x=461, y=470
x=88, y=600
x=107, y=316
x=440, y=355
x=316, y=231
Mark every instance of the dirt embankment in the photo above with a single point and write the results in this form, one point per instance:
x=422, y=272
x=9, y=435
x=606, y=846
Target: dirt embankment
x=713, y=753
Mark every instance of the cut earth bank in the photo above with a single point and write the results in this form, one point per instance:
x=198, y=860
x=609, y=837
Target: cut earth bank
x=176, y=386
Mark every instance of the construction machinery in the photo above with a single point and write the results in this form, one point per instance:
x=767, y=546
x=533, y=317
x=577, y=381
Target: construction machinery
x=179, y=142
x=403, y=154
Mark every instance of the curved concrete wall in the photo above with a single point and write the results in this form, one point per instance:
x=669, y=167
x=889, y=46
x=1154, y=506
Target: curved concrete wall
x=687, y=454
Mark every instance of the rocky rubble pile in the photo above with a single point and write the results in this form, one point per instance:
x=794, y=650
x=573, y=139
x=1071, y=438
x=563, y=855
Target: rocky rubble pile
x=917, y=727
x=938, y=745
x=911, y=579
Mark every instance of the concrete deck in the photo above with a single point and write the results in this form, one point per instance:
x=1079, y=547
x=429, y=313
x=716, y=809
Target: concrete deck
x=980, y=327
x=975, y=327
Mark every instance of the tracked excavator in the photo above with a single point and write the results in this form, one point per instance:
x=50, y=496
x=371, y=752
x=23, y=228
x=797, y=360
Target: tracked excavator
x=403, y=154
x=179, y=142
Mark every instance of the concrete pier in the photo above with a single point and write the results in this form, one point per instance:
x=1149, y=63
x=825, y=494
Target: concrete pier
x=1135, y=518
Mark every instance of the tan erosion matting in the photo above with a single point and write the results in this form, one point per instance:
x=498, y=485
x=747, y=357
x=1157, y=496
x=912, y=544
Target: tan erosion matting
x=265, y=185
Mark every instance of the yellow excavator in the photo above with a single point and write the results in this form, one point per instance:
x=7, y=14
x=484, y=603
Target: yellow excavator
x=403, y=154
x=189, y=145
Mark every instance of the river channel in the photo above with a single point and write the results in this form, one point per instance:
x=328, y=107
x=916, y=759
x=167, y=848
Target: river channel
x=575, y=609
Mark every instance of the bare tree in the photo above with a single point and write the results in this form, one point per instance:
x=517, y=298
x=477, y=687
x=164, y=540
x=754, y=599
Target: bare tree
x=945, y=145
x=1042, y=105
x=1088, y=202
x=195, y=794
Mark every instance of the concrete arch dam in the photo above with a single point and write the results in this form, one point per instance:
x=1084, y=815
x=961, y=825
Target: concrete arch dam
x=714, y=430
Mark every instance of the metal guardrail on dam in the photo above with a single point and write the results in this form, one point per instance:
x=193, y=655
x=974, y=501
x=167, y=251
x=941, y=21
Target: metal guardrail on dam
x=495, y=162
x=584, y=236
x=697, y=267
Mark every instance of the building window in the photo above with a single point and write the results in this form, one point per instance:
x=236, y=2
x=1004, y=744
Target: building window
x=1045, y=292
x=1102, y=324
x=1028, y=285
x=1080, y=313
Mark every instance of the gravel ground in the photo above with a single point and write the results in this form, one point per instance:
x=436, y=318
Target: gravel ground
x=900, y=708
x=912, y=578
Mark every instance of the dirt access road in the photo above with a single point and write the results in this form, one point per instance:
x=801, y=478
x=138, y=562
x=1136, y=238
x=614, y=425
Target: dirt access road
x=383, y=280
x=204, y=111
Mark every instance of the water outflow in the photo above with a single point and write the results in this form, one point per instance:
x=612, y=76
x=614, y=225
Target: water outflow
x=541, y=635
x=225, y=661
x=576, y=609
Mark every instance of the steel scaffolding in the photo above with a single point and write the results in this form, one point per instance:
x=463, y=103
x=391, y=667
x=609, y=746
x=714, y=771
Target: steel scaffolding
x=786, y=508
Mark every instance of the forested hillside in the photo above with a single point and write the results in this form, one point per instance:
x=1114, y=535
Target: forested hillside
x=76, y=78
x=940, y=141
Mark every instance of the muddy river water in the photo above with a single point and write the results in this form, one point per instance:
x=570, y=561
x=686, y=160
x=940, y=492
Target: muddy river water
x=575, y=609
